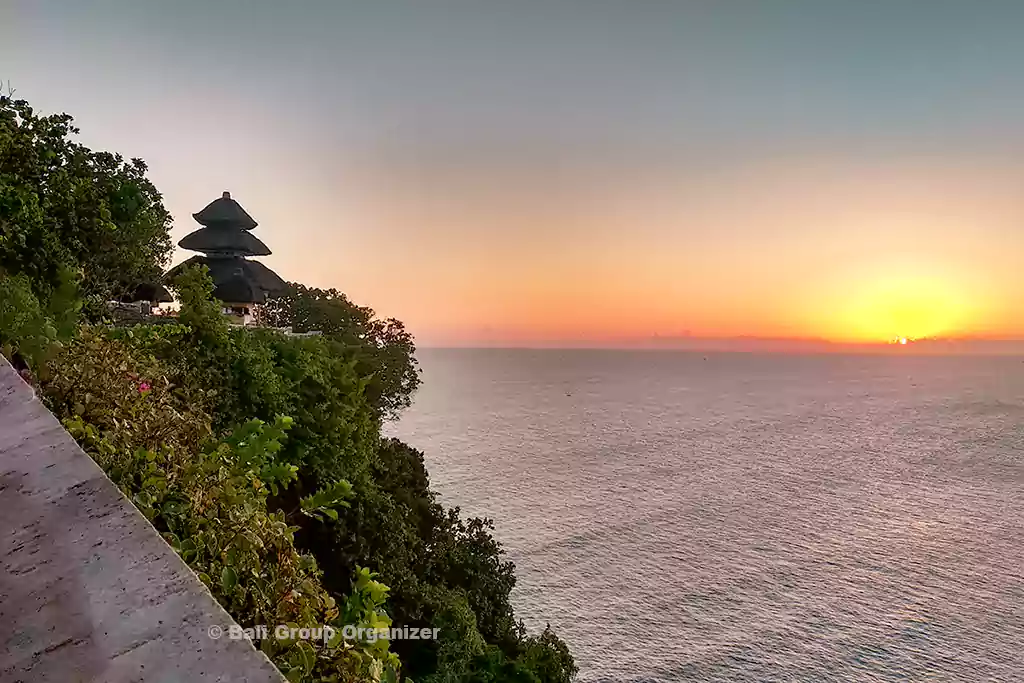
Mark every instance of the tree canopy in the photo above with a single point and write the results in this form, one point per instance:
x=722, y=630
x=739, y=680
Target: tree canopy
x=65, y=206
x=383, y=349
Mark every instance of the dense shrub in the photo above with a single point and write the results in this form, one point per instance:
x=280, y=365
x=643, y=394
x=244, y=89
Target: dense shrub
x=243, y=373
x=209, y=499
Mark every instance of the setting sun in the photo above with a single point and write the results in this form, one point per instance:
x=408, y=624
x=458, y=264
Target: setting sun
x=903, y=307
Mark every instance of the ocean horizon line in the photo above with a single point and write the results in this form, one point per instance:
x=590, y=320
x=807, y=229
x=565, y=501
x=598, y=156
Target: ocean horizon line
x=768, y=345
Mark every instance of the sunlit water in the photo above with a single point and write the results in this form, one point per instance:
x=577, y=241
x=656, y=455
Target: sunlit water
x=731, y=517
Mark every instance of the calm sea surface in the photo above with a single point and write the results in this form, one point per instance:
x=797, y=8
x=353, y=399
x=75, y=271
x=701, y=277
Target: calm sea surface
x=735, y=517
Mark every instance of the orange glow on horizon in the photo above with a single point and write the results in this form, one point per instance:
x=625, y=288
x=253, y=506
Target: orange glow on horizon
x=846, y=254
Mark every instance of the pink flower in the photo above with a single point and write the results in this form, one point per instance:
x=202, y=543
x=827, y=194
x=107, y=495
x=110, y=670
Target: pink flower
x=144, y=387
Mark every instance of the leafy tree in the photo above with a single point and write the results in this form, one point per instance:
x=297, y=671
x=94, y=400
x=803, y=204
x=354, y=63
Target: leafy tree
x=199, y=310
x=63, y=205
x=384, y=350
x=243, y=373
x=548, y=657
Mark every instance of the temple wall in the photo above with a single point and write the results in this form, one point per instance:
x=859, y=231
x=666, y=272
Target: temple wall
x=89, y=591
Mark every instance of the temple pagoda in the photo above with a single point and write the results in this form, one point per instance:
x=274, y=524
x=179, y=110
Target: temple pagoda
x=225, y=240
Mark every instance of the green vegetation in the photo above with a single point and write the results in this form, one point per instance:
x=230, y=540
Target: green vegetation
x=257, y=454
x=383, y=350
x=63, y=206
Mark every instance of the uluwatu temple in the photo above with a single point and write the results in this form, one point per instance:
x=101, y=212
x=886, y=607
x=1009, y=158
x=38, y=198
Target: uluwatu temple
x=226, y=245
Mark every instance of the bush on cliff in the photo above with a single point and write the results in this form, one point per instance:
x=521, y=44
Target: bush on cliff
x=29, y=329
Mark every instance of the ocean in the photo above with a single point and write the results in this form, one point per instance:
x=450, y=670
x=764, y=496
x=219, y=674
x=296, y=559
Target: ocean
x=680, y=516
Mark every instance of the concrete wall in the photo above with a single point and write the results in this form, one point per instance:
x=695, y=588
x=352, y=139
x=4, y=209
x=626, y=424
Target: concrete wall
x=89, y=591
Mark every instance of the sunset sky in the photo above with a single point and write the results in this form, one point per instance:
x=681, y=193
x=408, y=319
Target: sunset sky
x=539, y=170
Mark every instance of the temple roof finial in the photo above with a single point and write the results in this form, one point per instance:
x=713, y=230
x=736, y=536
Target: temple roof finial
x=225, y=212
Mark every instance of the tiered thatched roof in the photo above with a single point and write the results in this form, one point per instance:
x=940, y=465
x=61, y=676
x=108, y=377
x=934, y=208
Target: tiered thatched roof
x=225, y=241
